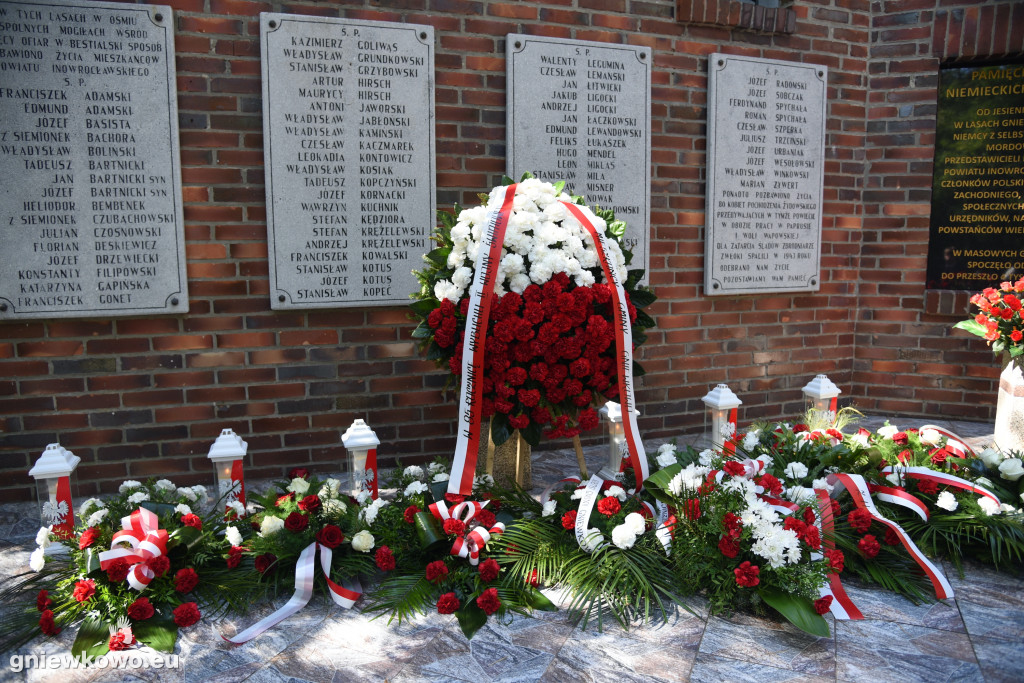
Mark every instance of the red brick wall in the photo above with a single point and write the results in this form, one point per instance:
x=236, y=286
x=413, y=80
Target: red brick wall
x=142, y=397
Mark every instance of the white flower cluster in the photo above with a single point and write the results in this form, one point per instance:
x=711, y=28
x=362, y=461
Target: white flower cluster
x=666, y=455
x=37, y=560
x=771, y=541
x=751, y=440
x=370, y=512
x=363, y=541
x=542, y=238
x=689, y=478
x=625, y=534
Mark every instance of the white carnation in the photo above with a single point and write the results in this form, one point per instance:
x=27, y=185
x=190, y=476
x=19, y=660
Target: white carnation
x=1007, y=509
x=413, y=471
x=236, y=507
x=188, y=494
x=271, y=525
x=299, y=487
x=946, y=501
x=462, y=277
x=97, y=517
x=200, y=492
x=705, y=457
x=635, y=522
x=578, y=494
x=549, y=508
x=822, y=483
x=666, y=459
x=860, y=439
x=138, y=497
x=89, y=505
x=415, y=488
x=765, y=460
x=43, y=536
x=894, y=478
x=796, y=470
x=128, y=486
x=616, y=492
x=444, y=289
x=233, y=536
x=363, y=541
x=182, y=509
x=989, y=506
x=165, y=485
x=666, y=448
x=887, y=431
x=623, y=537
x=440, y=476
x=37, y=560
x=751, y=440
x=435, y=467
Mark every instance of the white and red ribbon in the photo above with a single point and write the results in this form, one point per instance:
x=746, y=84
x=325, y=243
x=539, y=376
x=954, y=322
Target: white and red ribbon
x=898, y=496
x=942, y=479
x=144, y=540
x=473, y=541
x=583, y=530
x=305, y=571
x=238, y=479
x=842, y=606
x=956, y=444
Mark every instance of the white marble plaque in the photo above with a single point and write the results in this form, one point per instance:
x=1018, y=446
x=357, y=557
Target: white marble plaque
x=348, y=124
x=765, y=169
x=90, y=203
x=580, y=111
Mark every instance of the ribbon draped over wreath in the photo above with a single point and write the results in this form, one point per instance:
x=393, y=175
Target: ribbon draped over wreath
x=473, y=541
x=305, y=573
x=144, y=540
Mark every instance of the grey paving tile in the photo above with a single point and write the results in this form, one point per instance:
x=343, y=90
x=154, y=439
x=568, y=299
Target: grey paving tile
x=1000, y=659
x=711, y=669
x=775, y=644
x=875, y=603
x=885, y=651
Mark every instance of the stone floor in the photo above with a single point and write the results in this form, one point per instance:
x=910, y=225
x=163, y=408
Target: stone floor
x=977, y=636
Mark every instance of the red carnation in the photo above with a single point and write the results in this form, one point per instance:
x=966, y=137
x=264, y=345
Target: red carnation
x=47, y=625
x=296, y=522
x=454, y=527
x=88, y=537
x=489, y=570
x=692, y=510
x=835, y=559
x=869, y=546
x=859, y=520
x=836, y=510
x=159, y=565
x=823, y=605
x=330, y=536
x=385, y=560
x=311, y=504
x=436, y=571
x=732, y=524
x=298, y=473
x=588, y=418
x=84, y=589
x=185, y=580
x=186, y=614
x=141, y=609
x=891, y=537
x=192, y=520
x=235, y=556
x=495, y=503
x=117, y=570
x=118, y=642
x=734, y=469
x=746, y=575
x=410, y=514
x=609, y=506
x=488, y=601
x=448, y=603
x=927, y=486
x=486, y=518
x=799, y=427
x=454, y=498
x=771, y=484
x=729, y=546
x=43, y=601
x=264, y=562
x=569, y=520
x=809, y=516
x=811, y=536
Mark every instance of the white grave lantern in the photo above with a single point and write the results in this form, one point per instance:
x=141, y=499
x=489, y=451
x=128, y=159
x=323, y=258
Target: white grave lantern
x=227, y=454
x=823, y=395
x=53, y=473
x=361, y=443
x=617, y=449
x=722, y=405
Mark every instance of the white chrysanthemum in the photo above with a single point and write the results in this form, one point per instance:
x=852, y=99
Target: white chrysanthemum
x=37, y=560
x=236, y=507
x=930, y=437
x=188, y=494
x=413, y=471
x=271, y=525
x=988, y=505
x=549, y=508
x=751, y=440
x=440, y=476
x=415, y=488
x=705, y=457
x=740, y=485
x=623, y=537
x=887, y=431
x=363, y=541
x=616, y=492
x=138, y=497
x=299, y=487
x=946, y=501
x=233, y=536
x=182, y=509
x=796, y=470
x=97, y=517
x=165, y=485
x=43, y=536
x=635, y=522
x=128, y=485
x=89, y=505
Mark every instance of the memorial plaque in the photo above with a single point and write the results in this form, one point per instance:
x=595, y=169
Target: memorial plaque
x=348, y=124
x=580, y=111
x=765, y=170
x=90, y=205
x=977, y=220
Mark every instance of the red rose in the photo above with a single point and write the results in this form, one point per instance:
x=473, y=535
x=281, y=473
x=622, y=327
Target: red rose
x=141, y=609
x=264, y=562
x=489, y=570
x=185, y=580
x=569, y=520
x=330, y=536
x=486, y=518
x=186, y=614
x=729, y=546
x=488, y=601
x=43, y=601
x=835, y=559
x=84, y=589
x=454, y=527
x=448, y=604
x=117, y=642
x=609, y=506
x=311, y=504
x=385, y=560
x=436, y=571
x=900, y=438
x=410, y=514
x=869, y=546
x=891, y=537
x=192, y=520
x=296, y=522
x=746, y=575
x=734, y=469
x=927, y=486
x=298, y=473
x=904, y=455
x=823, y=605
x=159, y=565
x=117, y=570
x=859, y=520
x=47, y=625
x=88, y=537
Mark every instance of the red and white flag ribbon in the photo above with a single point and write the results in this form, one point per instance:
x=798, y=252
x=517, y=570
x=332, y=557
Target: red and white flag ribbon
x=144, y=540
x=305, y=571
x=842, y=606
x=371, y=472
x=942, y=479
x=473, y=541
x=897, y=496
x=954, y=442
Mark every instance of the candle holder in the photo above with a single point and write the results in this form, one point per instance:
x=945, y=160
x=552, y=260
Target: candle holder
x=361, y=443
x=822, y=395
x=55, y=480
x=227, y=454
x=722, y=405
x=618, y=451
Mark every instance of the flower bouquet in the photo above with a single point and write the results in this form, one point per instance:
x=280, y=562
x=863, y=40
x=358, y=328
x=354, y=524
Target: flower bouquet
x=138, y=567
x=549, y=354
x=1001, y=321
x=436, y=552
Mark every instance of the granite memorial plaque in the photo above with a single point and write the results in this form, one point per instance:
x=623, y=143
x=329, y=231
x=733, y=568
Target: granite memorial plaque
x=976, y=237
x=90, y=204
x=348, y=123
x=765, y=171
x=580, y=111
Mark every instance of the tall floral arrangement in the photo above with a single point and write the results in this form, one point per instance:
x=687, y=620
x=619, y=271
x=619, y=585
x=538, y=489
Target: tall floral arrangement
x=550, y=351
x=1000, y=320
